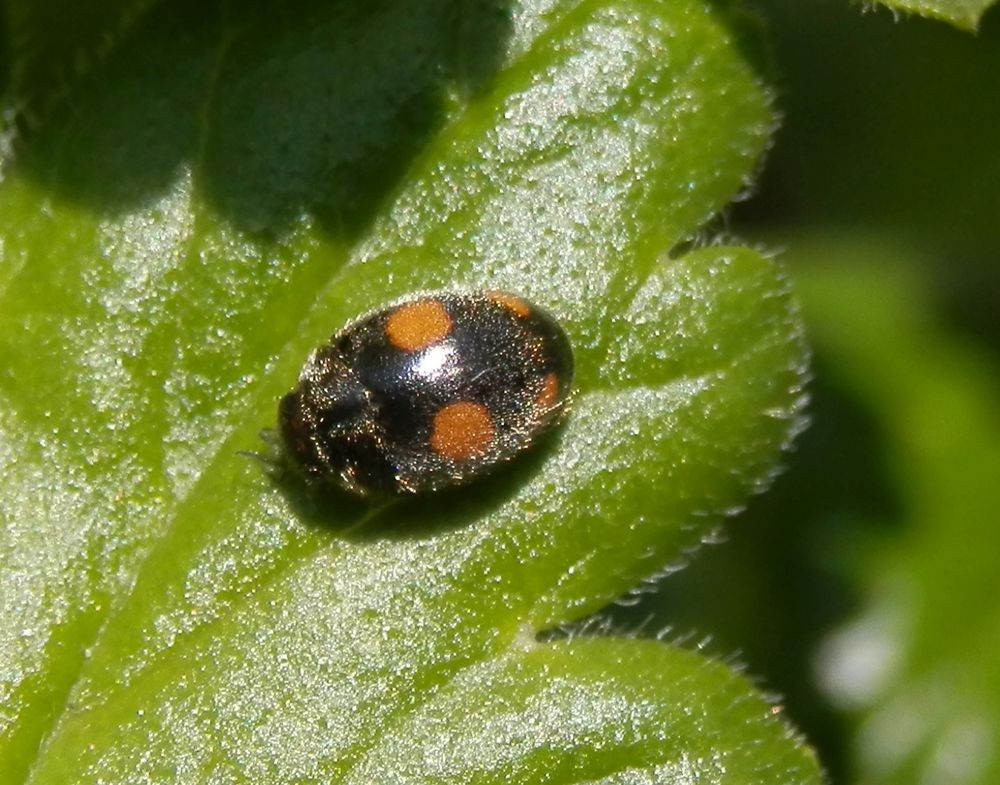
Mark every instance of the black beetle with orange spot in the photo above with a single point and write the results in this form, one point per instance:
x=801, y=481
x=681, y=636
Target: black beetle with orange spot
x=431, y=392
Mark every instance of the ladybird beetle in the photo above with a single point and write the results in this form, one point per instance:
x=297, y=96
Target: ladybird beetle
x=428, y=393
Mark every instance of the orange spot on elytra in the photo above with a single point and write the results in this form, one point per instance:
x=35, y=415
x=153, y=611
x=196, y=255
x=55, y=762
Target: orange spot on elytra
x=516, y=304
x=416, y=325
x=549, y=396
x=462, y=430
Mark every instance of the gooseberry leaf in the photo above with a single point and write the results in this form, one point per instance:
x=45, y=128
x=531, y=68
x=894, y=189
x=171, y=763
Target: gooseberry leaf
x=52, y=43
x=219, y=195
x=964, y=14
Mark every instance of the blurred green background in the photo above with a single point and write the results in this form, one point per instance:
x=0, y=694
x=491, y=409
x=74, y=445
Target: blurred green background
x=863, y=587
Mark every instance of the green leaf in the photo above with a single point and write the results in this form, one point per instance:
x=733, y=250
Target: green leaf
x=52, y=43
x=221, y=194
x=964, y=14
x=918, y=665
x=595, y=711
